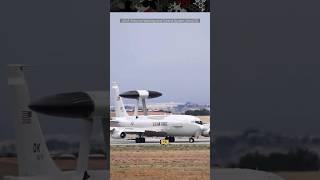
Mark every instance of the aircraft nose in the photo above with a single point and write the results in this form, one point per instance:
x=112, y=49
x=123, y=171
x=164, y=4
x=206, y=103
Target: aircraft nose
x=74, y=105
x=205, y=127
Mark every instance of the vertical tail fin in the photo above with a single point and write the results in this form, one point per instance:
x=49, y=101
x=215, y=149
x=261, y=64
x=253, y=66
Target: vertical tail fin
x=119, y=106
x=32, y=151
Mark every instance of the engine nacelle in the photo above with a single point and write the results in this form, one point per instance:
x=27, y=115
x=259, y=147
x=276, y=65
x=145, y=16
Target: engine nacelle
x=118, y=134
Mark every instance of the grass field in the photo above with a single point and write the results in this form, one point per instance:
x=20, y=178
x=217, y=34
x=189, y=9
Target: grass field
x=160, y=162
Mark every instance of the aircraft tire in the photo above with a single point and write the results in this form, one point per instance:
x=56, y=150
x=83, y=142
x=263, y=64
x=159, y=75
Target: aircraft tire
x=191, y=140
x=140, y=140
x=122, y=135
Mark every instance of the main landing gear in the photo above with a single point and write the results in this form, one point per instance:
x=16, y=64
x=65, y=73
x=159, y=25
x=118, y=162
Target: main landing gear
x=140, y=140
x=170, y=138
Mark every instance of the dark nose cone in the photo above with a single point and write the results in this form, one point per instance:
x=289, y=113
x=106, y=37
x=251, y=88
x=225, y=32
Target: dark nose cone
x=73, y=105
x=136, y=95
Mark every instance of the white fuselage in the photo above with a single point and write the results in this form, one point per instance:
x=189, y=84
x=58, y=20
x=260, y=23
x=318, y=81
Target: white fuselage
x=171, y=125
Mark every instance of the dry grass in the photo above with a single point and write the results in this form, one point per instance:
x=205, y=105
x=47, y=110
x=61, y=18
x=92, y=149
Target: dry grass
x=160, y=162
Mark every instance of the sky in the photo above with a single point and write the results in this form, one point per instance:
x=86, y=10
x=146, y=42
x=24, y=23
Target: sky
x=173, y=59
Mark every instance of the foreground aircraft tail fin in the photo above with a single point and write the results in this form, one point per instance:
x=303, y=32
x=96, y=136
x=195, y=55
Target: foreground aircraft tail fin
x=32, y=151
x=119, y=106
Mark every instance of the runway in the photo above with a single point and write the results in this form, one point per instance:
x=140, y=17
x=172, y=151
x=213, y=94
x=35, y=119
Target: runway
x=156, y=141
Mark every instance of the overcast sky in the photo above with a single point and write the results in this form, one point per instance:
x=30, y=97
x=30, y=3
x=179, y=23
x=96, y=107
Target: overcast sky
x=171, y=58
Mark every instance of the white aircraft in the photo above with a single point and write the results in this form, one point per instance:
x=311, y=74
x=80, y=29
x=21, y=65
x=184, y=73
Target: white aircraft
x=34, y=161
x=143, y=126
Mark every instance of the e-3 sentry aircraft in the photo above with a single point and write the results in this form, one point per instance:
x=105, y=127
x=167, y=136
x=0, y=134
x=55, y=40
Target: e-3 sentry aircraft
x=34, y=160
x=167, y=126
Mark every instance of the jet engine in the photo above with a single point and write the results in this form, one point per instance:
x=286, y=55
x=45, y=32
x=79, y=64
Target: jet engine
x=118, y=134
